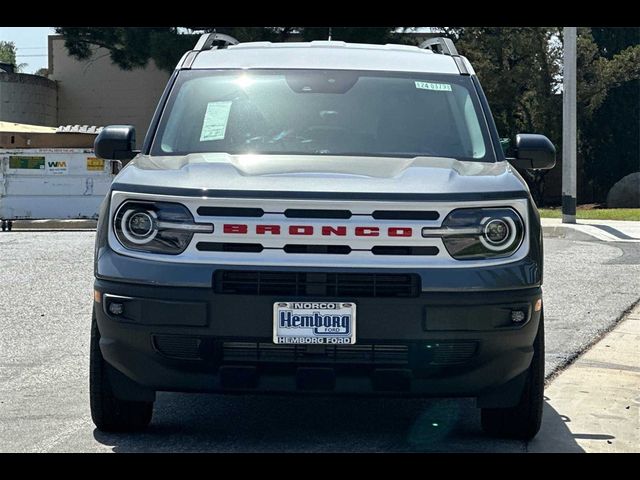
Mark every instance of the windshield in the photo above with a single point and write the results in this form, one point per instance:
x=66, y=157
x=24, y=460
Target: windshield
x=323, y=112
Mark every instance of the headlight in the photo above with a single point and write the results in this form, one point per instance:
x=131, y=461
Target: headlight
x=158, y=227
x=473, y=233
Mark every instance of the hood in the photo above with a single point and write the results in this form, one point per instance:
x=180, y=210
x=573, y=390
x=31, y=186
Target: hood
x=314, y=173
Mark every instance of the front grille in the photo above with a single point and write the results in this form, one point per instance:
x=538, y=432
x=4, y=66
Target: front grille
x=351, y=285
x=238, y=352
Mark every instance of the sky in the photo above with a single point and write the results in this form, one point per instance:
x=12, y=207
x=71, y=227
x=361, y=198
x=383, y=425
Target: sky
x=31, y=45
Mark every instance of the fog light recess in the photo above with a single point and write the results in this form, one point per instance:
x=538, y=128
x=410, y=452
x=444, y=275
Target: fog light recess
x=116, y=308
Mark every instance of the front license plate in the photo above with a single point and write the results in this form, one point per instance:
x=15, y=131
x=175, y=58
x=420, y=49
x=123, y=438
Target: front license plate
x=314, y=322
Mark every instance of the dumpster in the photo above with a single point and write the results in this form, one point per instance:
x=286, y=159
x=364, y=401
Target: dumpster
x=50, y=174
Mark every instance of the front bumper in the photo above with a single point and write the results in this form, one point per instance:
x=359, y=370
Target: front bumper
x=434, y=344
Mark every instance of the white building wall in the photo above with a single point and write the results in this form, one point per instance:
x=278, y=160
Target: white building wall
x=97, y=92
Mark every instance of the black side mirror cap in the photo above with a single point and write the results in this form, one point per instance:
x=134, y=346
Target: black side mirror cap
x=116, y=142
x=533, y=152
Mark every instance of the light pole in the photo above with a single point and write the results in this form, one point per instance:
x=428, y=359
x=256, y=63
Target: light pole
x=569, y=129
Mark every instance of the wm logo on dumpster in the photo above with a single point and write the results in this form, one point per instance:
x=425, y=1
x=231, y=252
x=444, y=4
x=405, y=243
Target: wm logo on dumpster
x=58, y=167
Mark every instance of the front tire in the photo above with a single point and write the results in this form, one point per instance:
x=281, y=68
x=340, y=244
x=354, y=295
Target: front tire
x=523, y=421
x=110, y=414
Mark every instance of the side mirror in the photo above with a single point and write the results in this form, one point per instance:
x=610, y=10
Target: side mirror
x=116, y=142
x=533, y=152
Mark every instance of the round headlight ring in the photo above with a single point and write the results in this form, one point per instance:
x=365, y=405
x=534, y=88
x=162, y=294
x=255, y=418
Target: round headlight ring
x=508, y=239
x=144, y=220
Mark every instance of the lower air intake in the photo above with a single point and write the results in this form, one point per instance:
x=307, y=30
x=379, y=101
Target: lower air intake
x=241, y=282
x=177, y=346
x=238, y=352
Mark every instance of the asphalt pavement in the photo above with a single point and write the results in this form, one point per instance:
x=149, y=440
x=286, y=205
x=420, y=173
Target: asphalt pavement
x=45, y=311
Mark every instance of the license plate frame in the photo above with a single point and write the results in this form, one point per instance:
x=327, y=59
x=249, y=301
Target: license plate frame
x=309, y=322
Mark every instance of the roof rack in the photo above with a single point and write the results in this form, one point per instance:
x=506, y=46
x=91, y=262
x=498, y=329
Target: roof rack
x=442, y=45
x=445, y=46
x=207, y=40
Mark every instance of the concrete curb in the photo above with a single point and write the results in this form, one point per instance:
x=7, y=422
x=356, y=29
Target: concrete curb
x=54, y=225
x=553, y=231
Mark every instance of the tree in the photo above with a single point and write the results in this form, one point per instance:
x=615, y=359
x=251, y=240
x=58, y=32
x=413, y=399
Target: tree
x=610, y=148
x=519, y=70
x=43, y=72
x=8, y=55
x=376, y=35
x=521, y=73
x=133, y=47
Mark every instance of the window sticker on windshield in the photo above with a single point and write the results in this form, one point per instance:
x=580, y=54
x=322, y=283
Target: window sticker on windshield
x=215, y=121
x=438, y=87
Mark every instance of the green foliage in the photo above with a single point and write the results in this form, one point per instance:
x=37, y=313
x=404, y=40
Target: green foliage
x=609, y=142
x=8, y=55
x=7, y=52
x=632, y=214
x=131, y=47
x=376, y=35
x=597, y=74
x=521, y=73
x=519, y=70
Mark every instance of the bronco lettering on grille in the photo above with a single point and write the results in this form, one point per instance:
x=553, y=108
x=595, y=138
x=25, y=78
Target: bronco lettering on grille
x=324, y=230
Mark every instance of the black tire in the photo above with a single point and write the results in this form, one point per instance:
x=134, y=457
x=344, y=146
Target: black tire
x=109, y=413
x=523, y=421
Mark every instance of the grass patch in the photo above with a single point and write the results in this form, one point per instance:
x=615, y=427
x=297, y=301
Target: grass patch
x=596, y=213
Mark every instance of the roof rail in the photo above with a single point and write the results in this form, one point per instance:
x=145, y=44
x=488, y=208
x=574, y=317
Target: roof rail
x=442, y=45
x=445, y=46
x=207, y=40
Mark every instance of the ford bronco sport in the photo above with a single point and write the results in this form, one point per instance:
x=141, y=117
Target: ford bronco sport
x=320, y=218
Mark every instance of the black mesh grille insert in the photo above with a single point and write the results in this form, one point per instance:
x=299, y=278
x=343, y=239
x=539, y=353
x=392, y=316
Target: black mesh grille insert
x=337, y=354
x=316, y=284
x=450, y=353
x=178, y=346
